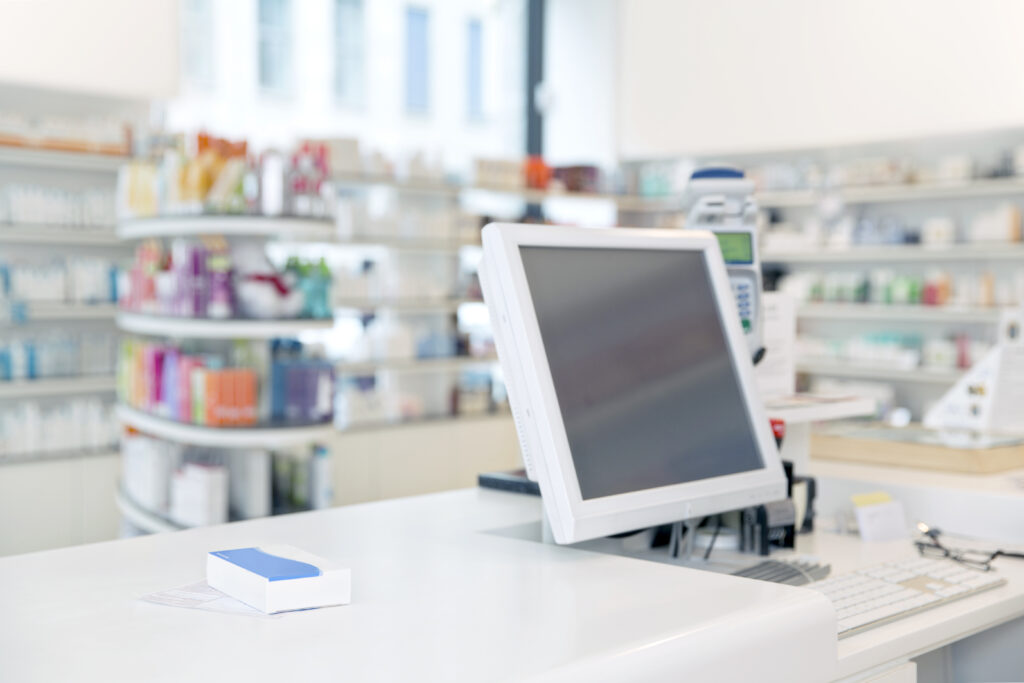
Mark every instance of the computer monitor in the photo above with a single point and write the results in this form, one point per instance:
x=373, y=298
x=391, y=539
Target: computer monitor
x=628, y=375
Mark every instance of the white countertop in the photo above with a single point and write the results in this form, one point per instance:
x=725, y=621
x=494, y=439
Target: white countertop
x=436, y=596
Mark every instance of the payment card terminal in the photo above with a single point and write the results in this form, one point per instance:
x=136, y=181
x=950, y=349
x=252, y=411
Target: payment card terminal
x=722, y=202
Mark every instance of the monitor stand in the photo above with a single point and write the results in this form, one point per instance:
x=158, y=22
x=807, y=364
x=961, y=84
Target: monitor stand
x=682, y=549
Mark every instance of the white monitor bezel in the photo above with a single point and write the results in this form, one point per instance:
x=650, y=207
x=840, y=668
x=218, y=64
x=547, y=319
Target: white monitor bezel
x=535, y=403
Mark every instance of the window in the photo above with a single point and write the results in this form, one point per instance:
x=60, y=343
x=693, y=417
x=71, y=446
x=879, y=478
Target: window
x=348, y=52
x=417, y=60
x=474, y=70
x=275, y=45
x=197, y=42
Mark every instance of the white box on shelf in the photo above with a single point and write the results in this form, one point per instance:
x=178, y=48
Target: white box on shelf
x=279, y=578
x=199, y=495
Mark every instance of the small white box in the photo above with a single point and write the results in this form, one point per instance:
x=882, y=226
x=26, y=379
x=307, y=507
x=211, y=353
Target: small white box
x=278, y=578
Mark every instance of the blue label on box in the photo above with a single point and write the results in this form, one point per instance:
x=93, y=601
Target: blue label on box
x=270, y=567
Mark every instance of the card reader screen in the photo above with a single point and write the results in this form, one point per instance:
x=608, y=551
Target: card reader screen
x=647, y=388
x=737, y=247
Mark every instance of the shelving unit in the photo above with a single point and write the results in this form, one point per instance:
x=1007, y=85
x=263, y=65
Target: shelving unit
x=29, y=241
x=902, y=209
x=260, y=438
x=59, y=386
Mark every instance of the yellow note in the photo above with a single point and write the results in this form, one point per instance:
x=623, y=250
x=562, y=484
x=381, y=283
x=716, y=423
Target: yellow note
x=863, y=499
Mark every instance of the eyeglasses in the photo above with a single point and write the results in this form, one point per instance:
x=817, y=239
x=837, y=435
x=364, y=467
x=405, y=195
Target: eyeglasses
x=975, y=559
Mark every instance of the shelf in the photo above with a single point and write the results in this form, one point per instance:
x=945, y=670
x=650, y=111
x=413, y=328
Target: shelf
x=199, y=328
x=57, y=386
x=897, y=253
x=47, y=311
x=624, y=202
x=930, y=314
x=437, y=420
x=304, y=229
x=404, y=305
x=27, y=233
x=14, y=458
x=143, y=518
x=879, y=194
x=65, y=161
x=438, y=189
x=407, y=243
x=854, y=370
x=412, y=365
x=224, y=437
x=808, y=408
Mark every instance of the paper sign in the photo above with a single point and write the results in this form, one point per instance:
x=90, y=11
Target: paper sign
x=776, y=373
x=882, y=522
x=199, y=595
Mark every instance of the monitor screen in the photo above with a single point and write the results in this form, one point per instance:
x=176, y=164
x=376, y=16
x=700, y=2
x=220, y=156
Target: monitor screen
x=644, y=378
x=736, y=247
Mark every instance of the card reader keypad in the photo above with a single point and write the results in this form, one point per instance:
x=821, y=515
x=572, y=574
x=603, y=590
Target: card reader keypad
x=743, y=290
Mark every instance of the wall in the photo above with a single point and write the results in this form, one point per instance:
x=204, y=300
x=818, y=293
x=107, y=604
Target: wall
x=122, y=48
x=579, y=82
x=54, y=503
x=740, y=75
x=234, y=105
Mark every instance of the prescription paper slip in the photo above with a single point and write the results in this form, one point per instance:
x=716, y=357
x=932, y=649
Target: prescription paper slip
x=199, y=595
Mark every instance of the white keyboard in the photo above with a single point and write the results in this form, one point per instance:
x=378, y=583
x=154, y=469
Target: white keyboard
x=876, y=595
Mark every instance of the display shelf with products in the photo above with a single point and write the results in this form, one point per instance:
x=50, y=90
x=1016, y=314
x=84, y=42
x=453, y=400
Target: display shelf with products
x=58, y=261
x=56, y=424
x=890, y=239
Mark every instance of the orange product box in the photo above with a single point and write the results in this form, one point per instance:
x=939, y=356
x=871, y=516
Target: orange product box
x=247, y=398
x=212, y=396
x=230, y=397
